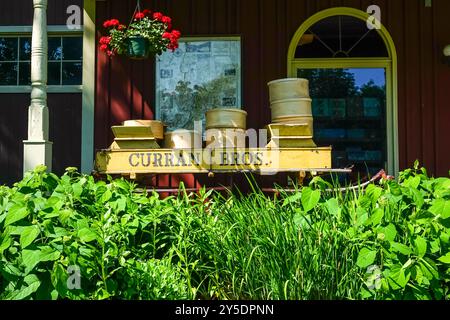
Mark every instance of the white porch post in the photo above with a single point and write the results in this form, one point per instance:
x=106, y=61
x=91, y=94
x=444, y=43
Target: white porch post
x=37, y=149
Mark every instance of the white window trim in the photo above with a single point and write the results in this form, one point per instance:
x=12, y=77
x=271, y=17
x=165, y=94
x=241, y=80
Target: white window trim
x=53, y=30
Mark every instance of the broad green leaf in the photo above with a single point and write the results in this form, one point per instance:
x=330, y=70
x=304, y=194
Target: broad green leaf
x=374, y=192
x=293, y=198
x=310, y=198
x=442, y=187
x=445, y=259
x=429, y=269
x=435, y=246
x=49, y=254
x=395, y=188
x=29, y=234
x=5, y=243
x=421, y=246
x=121, y=204
x=441, y=207
x=361, y=216
x=77, y=189
x=412, y=182
x=16, y=213
x=418, y=198
x=366, y=258
x=398, y=278
x=106, y=196
x=398, y=247
x=33, y=284
x=87, y=235
x=30, y=258
x=418, y=275
x=64, y=215
x=376, y=217
x=389, y=232
x=333, y=208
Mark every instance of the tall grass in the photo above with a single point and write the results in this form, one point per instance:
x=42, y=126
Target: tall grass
x=256, y=247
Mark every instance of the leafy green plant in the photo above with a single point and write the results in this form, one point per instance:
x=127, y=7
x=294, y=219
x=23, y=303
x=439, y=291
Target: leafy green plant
x=72, y=237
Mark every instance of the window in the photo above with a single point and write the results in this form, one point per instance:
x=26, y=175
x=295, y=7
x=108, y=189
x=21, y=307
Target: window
x=65, y=60
x=349, y=106
x=202, y=74
x=352, y=74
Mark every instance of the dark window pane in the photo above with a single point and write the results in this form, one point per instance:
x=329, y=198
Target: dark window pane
x=73, y=48
x=8, y=74
x=54, y=73
x=25, y=49
x=349, y=109
x=54, y=48
x=24, y=73
x=8, y=49
x=72, y=73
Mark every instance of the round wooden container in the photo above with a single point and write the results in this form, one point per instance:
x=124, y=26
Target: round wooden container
x=226, y=118
x=296, y=120
x=157, y=127
x=225, y=138
x=290, y=88
x=183, y=139
x=291, y=107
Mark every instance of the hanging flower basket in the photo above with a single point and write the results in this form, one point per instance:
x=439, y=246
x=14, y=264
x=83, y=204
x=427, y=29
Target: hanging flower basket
x=149, y=33
x=138, y=48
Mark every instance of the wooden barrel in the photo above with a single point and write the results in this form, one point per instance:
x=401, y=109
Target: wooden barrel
x=183, y=139
x=157, y=127
x=226, y=118
x=290, y=88
x=291, y=108
x=225, y=138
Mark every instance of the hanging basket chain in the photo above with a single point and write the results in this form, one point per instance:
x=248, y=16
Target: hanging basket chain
x=136, y=10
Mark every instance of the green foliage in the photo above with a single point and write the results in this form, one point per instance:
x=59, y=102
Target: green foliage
x=389, y=241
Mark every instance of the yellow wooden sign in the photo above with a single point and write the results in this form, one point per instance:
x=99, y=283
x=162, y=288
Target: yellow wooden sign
x=259, y=160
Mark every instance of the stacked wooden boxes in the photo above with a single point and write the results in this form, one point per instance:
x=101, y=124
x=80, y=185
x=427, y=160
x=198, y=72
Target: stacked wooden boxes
x=138, y=134
x=292, y=120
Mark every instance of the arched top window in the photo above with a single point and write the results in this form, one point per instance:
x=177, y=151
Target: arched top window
x=341, y=36
x=353, y=84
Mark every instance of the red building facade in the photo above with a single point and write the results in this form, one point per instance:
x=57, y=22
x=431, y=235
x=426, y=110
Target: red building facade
x=125, y=89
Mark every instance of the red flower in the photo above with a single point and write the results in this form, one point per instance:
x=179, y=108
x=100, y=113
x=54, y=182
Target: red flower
x=173, y=46
x=105, y=40
x=111, y=23
x=121, y=27
x=168, y=21
x=104, y=47
x=158, y=16
x=176, y=34
x=110, y=53
x=139, y=16
x=167, y=35
x=146, y=12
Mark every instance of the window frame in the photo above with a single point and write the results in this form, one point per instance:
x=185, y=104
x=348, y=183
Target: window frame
x=53, y=31
x=389, y=63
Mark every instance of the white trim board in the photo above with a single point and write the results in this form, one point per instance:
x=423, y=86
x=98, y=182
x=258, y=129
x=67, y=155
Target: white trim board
x=88, y=104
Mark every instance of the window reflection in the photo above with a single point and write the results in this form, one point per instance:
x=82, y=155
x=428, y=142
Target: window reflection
x=349, y=113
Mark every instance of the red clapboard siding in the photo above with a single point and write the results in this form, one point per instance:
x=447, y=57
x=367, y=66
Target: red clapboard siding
x=126, y=89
